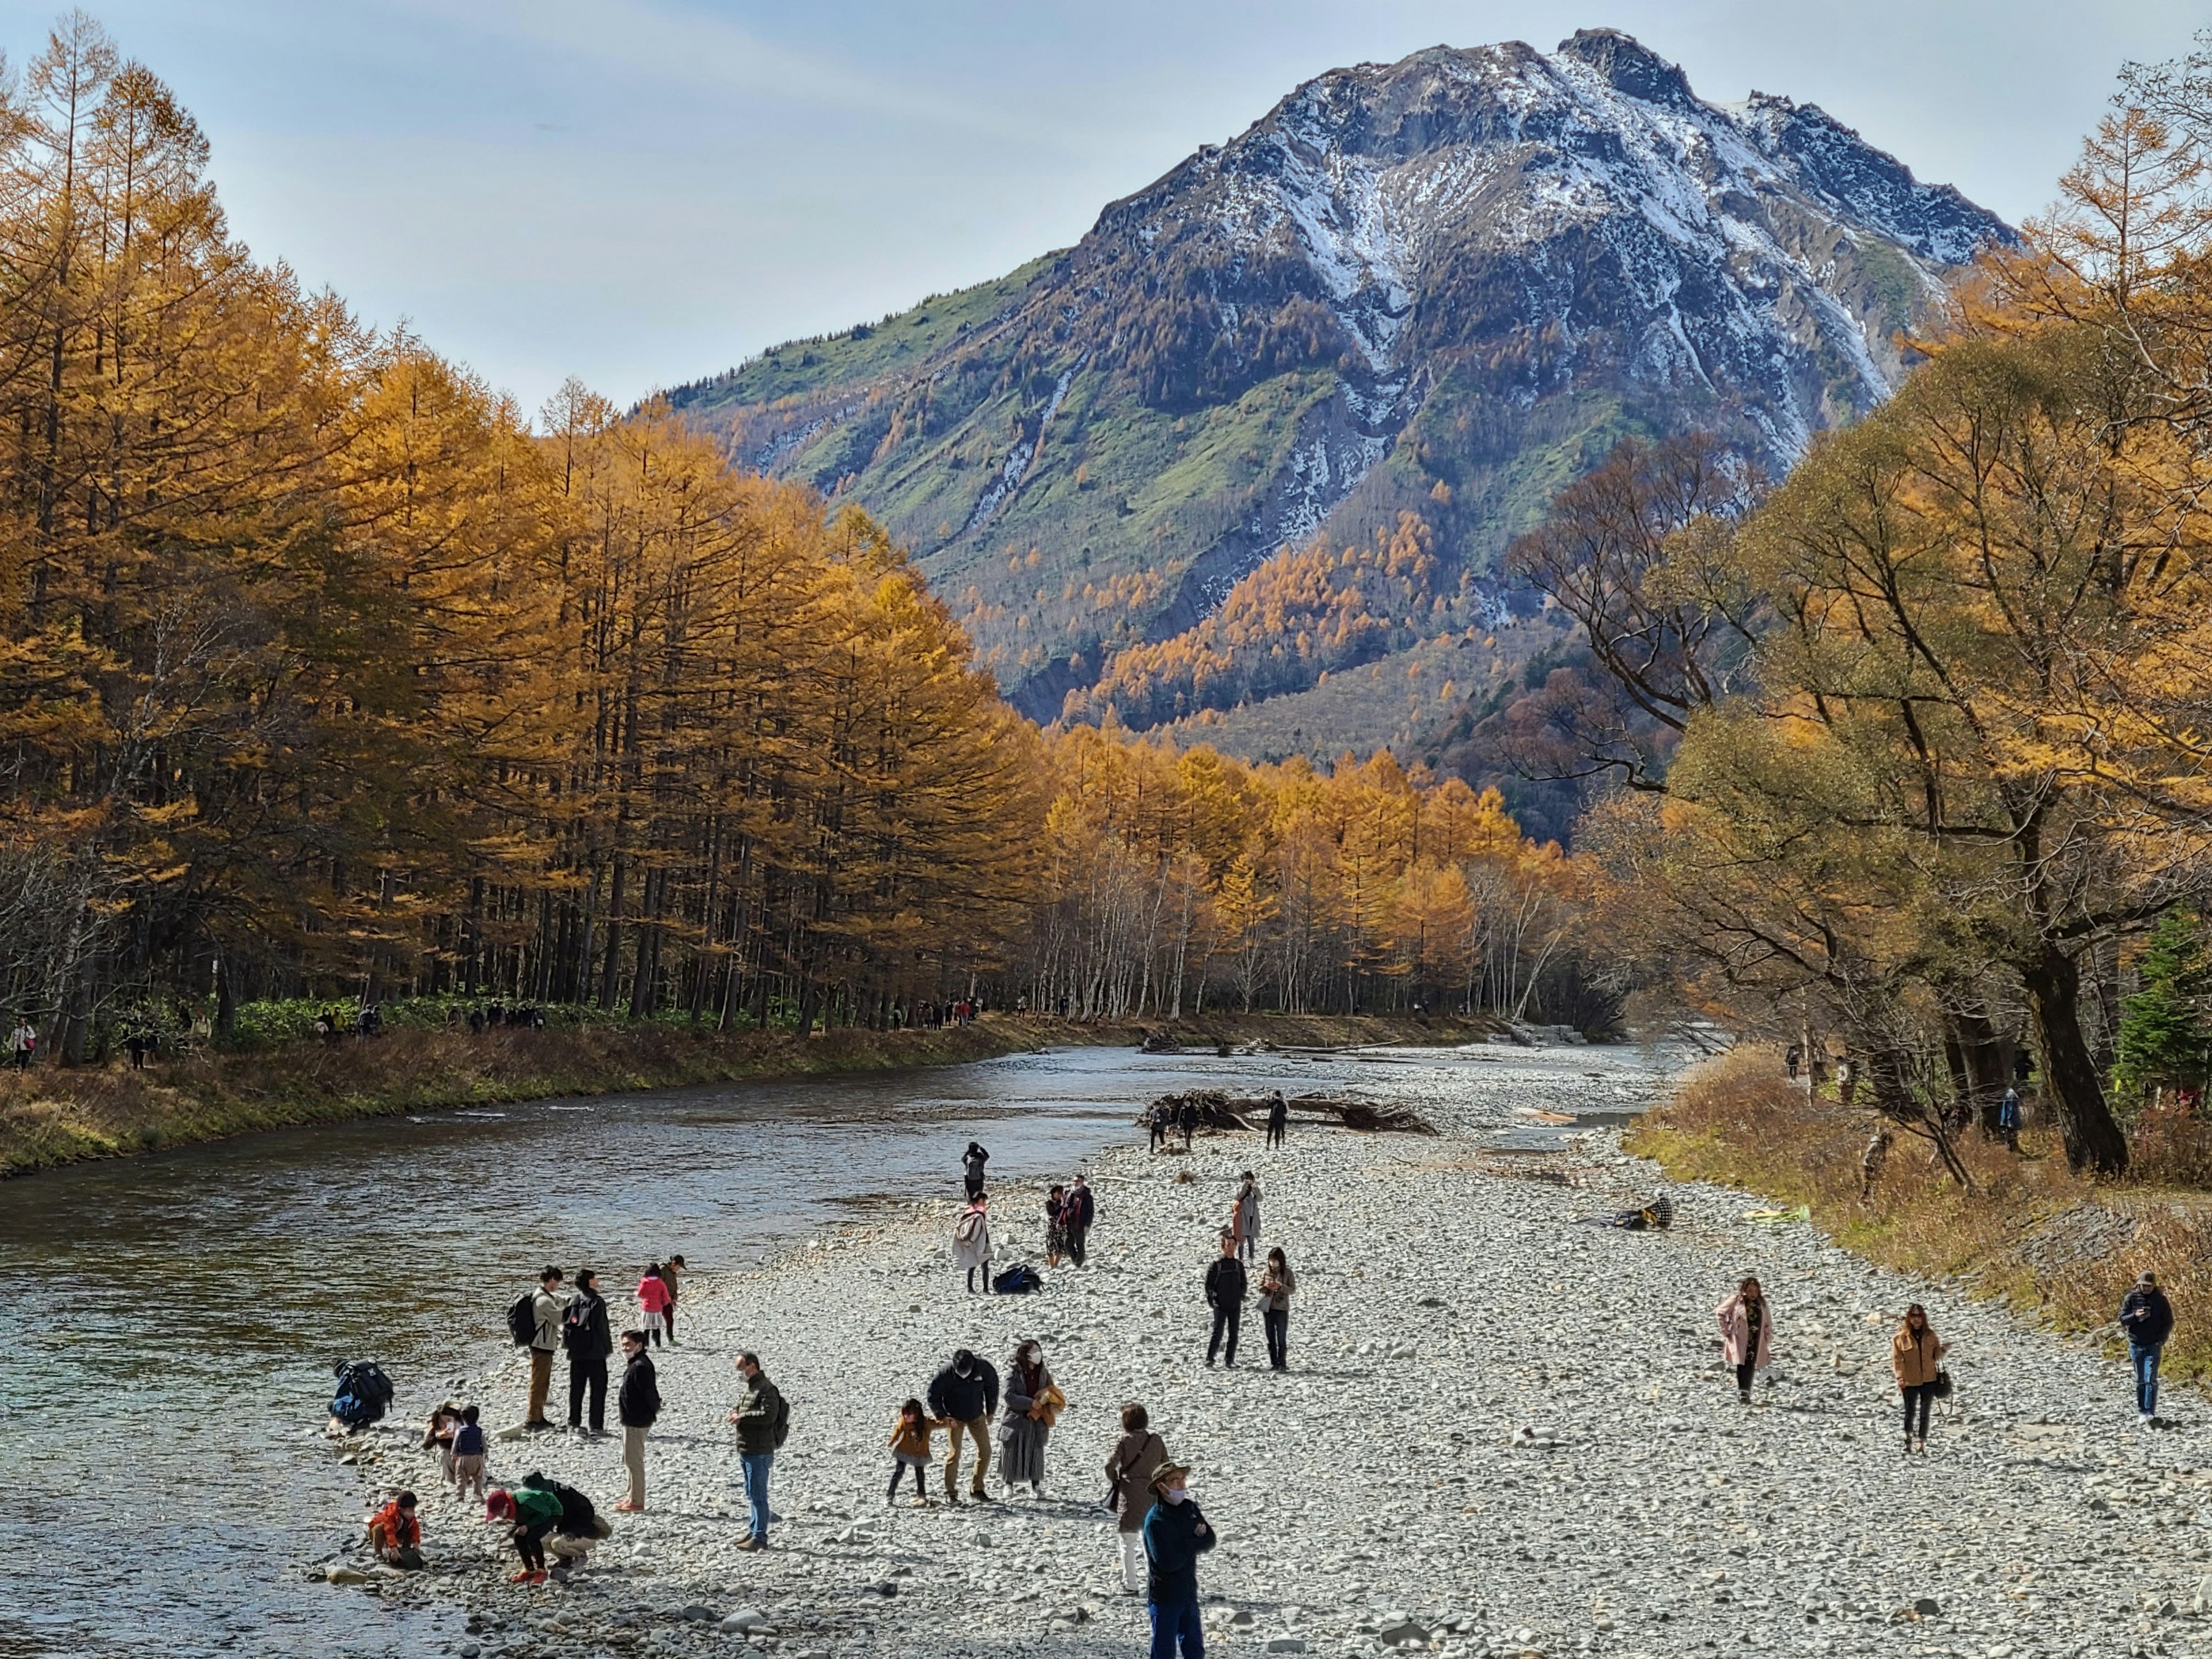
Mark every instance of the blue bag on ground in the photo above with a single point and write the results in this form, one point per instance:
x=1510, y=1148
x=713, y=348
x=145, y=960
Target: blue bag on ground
x=1017, y=1280
x=362, y=1394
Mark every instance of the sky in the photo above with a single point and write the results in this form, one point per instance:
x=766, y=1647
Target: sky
x=642, y=192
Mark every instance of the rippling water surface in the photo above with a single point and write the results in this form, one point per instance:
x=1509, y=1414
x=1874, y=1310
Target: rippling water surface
x=175, y=1317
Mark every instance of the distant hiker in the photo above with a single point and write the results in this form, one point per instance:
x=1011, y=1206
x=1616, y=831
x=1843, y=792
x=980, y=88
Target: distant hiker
x=1793, y=1059
x=469, y=1444
x=1870, y=1162
x=1276, y=1285
x=547, y=1308
x=639, y=1406
x=1186, y=1120
x=964, y=1396
x=2147, y=1317
x=1225, y=1294
x=1914, y=1352
x=22, y=1043
x=529, y=1513
x=1279, y=1118
x=1083, y=1211
x=2008, y=1118
x=1135, y=1455
x=671, y=1271
x=1156, y=1127
x=137, y=1042
x=652, y=1304
x=1245, y=1221
x=1055, y=1229
x=909, y=1445
x=588, y=1335
x=1747, y=1334
x=1033, y=1405
x=972, y=1162
x=1176, y=1536
x=971, y=1242
x=763, y=1420
x=395, y=1533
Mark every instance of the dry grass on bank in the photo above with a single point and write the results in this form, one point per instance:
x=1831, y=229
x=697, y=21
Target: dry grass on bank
x=2030, y=1230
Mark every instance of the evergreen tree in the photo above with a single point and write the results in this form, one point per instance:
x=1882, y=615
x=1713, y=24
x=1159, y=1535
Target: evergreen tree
x=2164, y=1038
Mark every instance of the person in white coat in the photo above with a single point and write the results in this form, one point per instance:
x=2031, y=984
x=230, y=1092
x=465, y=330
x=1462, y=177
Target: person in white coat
x=1246, y=1221
x=971, y=1242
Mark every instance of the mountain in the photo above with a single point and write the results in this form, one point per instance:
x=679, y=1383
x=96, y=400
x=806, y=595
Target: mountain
x=1273, y=420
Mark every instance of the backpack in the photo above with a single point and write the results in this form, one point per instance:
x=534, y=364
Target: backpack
x=782, y=1420
x=522, y=1319
x=363, y=1391
x=1017, y=1280
x=969, y=1225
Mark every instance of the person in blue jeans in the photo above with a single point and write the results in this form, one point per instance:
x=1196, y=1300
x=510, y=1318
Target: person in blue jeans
x=761, y=1421
x=2148, y=1318
x=1176, y=1536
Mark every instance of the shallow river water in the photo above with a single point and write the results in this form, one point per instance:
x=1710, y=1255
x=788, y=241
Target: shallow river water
x=175, y=1317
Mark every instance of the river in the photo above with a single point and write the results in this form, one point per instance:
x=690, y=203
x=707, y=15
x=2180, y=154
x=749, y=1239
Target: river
x=177, y=1315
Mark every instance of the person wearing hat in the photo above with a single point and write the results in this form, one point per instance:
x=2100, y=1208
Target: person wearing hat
x=2148, y=1318
x=1176, y=1536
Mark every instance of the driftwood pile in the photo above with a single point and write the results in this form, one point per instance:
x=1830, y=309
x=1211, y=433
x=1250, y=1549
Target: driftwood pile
x=1216, y=1110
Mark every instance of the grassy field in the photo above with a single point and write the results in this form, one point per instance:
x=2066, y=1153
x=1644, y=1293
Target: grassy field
x=2031, y=1233
x=51, y=1115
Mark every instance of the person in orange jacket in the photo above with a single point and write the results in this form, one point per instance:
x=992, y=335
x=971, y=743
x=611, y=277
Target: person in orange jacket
x=396, y=1534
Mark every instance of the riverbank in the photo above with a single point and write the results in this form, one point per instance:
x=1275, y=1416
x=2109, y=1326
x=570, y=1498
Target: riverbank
x=1504, y=1432
x=2030, y=1234
x=51, y=1116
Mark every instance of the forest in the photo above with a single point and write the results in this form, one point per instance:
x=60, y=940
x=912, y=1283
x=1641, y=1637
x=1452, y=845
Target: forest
x=329, y=677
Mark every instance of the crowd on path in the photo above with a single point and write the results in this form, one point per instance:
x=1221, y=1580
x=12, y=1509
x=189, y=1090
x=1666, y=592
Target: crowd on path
x=1161, y=1530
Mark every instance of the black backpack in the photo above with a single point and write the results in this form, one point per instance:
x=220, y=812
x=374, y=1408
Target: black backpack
x=782, y=1419
x=1017, y=1280
x=522, y=1319
x=363, y=1391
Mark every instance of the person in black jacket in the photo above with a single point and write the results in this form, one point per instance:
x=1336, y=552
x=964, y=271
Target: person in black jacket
x=1176, y=1536
x=639, y=1406
x=589, y=1339
x=2148, y=1318
x=1279, y=1118
x=971, y=1164
x=1078, y=1225
x=1225, y=1294
x=964, y=1395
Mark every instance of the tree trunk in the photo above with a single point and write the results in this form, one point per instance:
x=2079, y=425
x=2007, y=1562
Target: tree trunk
x=2093, y=1140
x=1980, y=1064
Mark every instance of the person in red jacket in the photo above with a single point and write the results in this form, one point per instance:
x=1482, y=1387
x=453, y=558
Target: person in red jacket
x=396, y=1534
x=652, y=1303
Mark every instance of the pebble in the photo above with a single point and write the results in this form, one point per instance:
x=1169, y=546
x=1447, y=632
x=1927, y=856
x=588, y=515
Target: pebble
x=1503, y=1432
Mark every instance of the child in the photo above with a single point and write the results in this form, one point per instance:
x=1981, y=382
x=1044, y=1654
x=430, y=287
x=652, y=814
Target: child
x=652, y=1303
x=468, y=1457
x=395, y=1534
x=670, y=1274
x=439, y=1436
x=909, y=1445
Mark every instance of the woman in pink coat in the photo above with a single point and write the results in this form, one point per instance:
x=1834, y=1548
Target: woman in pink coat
x=1747, y=1334
x=652, y=1302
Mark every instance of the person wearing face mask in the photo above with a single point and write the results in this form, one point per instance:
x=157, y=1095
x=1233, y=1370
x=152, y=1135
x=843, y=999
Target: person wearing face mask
x=1176, y=1536
x=1747, y=1334
x=963, y=1395
x=1027, y=1426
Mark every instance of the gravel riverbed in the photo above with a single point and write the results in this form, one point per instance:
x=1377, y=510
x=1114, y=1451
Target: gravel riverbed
x=1387, y=1492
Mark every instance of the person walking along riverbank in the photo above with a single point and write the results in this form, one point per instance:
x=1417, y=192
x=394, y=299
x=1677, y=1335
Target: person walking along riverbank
x=1279, y=1118
x=547, y=1307
x=1176, y=1535
x=1224, y=1293
x=1083, y=1212
x=1747, y=1334
x=909, y=1445
x=965, y=1395
x=1914, y=1353
x=1129, y=1469
x=763, y=1420
x=2147, y=1317
x=639, y=1406
x=671, y=1272
x=1030, y=1410
x=588, y=1335
x=1276, y=1285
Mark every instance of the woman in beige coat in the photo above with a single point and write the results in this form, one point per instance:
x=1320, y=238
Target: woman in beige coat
x=1747, y=1334
x=1137, y=1455
x=1914, y=1353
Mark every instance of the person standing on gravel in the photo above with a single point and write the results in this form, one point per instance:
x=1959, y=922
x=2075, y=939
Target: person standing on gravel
x=1914, y=1352
x=1176, y=1536
x=1747, y=1334
x=1129, y=1471
x=965, y=1395
x=671, y=1271
x=1245, y=1222
x=588, y=1335
x=971, y=1242
x=1279, y=1118
x=1186, y=1120
x=2148, y=1318
x=1276, y=1285
x=639, y=1406
x=1030, y=1412
x=762, y=1420
x=1055, y=1225
x=1225, y=1294
x=1079, y=1225
x=971, y=1163
x=547, y=1308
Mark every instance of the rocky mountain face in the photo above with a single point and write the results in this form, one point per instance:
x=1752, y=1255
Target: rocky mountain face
x=1412, y=302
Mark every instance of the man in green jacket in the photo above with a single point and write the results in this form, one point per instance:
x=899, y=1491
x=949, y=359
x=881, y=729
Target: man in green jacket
x=762, y=1422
